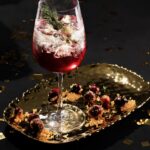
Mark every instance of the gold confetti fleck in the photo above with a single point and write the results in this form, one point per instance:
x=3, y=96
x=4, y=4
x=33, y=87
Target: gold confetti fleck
x=145, y=143
x=34, y=111
x=146, y=63
x=65, y=136
x=140, y=122
x=148, y=112
x=2, y=88
x=2, y=136
x=127, y=141
x=1, y=120
x=147, y=52
x=6, y=81
x=144, y=121
x=37, y=76
x=147, y=122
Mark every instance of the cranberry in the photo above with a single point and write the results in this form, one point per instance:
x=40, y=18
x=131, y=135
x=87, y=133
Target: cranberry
x=32, y=116
x=53, y=95
x=36, y=125
x=95, y=110
x=76, y=88
x=18, y=111
x=120, y=101
x=94, y=88
x=106, y=105
x=105, y=101
x=89, y=97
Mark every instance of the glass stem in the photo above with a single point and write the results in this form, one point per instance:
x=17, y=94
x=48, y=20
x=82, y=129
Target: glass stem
x=60, y=86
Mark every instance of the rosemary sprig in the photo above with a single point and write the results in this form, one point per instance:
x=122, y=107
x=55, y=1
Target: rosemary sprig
x=52, y=17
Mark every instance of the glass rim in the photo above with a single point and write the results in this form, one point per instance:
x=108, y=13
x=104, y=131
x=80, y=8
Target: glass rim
x=71, y=9
x=66, y=10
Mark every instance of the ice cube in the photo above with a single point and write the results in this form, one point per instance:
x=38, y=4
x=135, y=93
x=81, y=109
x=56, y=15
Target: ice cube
x=66, y=19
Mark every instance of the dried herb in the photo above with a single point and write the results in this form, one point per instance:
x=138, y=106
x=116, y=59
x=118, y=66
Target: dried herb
x=51, y=16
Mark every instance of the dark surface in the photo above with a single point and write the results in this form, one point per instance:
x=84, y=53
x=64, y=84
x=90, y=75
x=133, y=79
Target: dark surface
x=118, y=32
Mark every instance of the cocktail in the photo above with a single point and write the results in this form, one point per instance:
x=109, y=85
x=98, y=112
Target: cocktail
x=59, y=46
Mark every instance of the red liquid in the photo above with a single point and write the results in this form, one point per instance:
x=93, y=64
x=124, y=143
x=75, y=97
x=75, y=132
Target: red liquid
x=53, y=64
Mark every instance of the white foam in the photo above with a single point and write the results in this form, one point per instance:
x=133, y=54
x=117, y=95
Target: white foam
x=52, y=41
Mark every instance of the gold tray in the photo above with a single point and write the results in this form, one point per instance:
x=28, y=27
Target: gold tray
x=117, y=79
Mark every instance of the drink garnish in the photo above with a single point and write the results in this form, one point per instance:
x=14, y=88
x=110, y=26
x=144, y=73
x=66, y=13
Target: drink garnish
x=52, y=17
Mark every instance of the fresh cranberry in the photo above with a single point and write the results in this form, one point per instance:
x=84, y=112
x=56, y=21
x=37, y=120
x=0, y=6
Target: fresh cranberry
x=36, y=125
x=105, y=99
x=120, y=101
x=95, y=110
x=18, y=111
x=76, y=88
x=32, y=116
x=94, y=88
x=89, y=97
x=53, y=94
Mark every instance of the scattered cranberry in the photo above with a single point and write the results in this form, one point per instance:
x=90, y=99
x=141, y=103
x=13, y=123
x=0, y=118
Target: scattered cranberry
x=94, y=88
x=36, y=125
x=89, y=97
x=76, y=88
x=120, y=101
x=105, y=99
x=95, y=111
x=32, y=116
x=18, y=111
x=53, y=95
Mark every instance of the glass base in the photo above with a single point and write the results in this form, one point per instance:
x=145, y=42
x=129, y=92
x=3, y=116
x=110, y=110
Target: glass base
x=64, y=120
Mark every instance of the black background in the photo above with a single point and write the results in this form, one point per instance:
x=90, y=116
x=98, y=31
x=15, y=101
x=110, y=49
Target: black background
x=118, y=32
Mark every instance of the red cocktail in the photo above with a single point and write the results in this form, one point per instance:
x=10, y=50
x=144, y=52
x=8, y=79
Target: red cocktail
x=59, y=50
x=59, y=46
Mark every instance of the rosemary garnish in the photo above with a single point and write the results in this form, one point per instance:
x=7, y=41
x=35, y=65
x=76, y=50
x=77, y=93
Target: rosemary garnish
x=52, y=17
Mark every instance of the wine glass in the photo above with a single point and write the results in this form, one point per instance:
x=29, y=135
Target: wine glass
x=59, y=46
